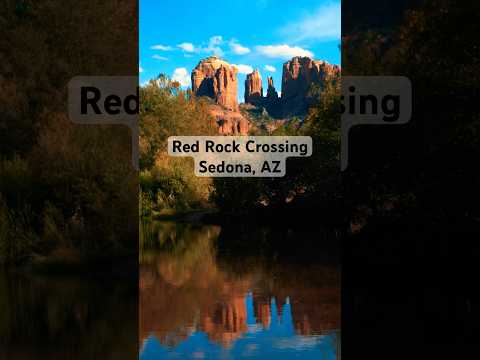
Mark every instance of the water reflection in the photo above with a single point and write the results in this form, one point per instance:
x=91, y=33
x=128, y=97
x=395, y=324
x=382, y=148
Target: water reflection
x=59, y=318
x=198, y=303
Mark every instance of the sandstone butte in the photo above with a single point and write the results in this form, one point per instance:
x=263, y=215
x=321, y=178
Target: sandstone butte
x=253, y=87
x=217, y=79
x=297, y=78
x=301, y=72
x=272, y=94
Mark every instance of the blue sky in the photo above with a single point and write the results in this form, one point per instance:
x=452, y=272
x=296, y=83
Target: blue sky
x=176, y=34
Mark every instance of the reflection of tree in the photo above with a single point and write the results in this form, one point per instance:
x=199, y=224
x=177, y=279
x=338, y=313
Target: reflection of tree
x=190, y=288
x=57, y=319
x=178, y=287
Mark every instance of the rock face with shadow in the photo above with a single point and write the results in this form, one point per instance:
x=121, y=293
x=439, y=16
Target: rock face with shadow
x=253, y=88
x=217, y=79
x=299, y=76
x=272, y=94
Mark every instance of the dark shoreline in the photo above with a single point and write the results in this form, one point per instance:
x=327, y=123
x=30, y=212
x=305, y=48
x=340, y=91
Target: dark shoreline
x=124, y=267
x=303, y=213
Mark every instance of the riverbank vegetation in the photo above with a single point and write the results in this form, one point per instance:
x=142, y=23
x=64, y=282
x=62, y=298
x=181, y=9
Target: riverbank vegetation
x=424, y=167
x=68, y=193
x=168, y=184
x=393, y=171
x=71, y=197
x=413, y=190
x=316, y=177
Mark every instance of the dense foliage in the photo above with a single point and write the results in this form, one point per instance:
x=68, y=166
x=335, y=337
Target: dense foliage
x=168, y=183
x=426, y=165
x=315, y=177
x=67, y=192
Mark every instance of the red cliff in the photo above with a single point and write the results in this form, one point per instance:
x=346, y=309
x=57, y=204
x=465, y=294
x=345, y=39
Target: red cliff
x=253, y=88
x=299, y=74
x=217, y=79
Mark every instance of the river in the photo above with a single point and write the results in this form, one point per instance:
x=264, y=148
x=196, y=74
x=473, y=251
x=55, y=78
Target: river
x=198, y=301
x=204, y=292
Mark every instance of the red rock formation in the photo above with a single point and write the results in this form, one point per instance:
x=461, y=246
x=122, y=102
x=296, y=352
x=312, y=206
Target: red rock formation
x=298, y=76
x=230, y=122
x=253, y=88
x=217, y=79
x=272, y=94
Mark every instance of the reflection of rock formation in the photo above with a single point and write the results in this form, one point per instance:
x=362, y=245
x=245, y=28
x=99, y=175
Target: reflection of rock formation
x=312, y=317
x=188, y=290
x=167, y=307
x=262, y=310
x=226, y=322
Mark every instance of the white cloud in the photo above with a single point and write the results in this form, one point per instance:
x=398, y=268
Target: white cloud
x=238, y=49
x=215, y=40
x=158, y=57
x=243, y=69
x=140, y=69
x=182, y=76
x=161, y=47
x=214, y=45
x=282, y=51
x=323, y=24
x=270, y=68
x=186, y=46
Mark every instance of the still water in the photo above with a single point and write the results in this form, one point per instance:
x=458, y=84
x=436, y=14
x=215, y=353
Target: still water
x=204, y=292
x=197, y=301
x=67, y=318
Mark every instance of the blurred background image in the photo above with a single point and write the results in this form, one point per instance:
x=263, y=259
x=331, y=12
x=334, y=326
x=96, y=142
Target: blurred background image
x=68, y=193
